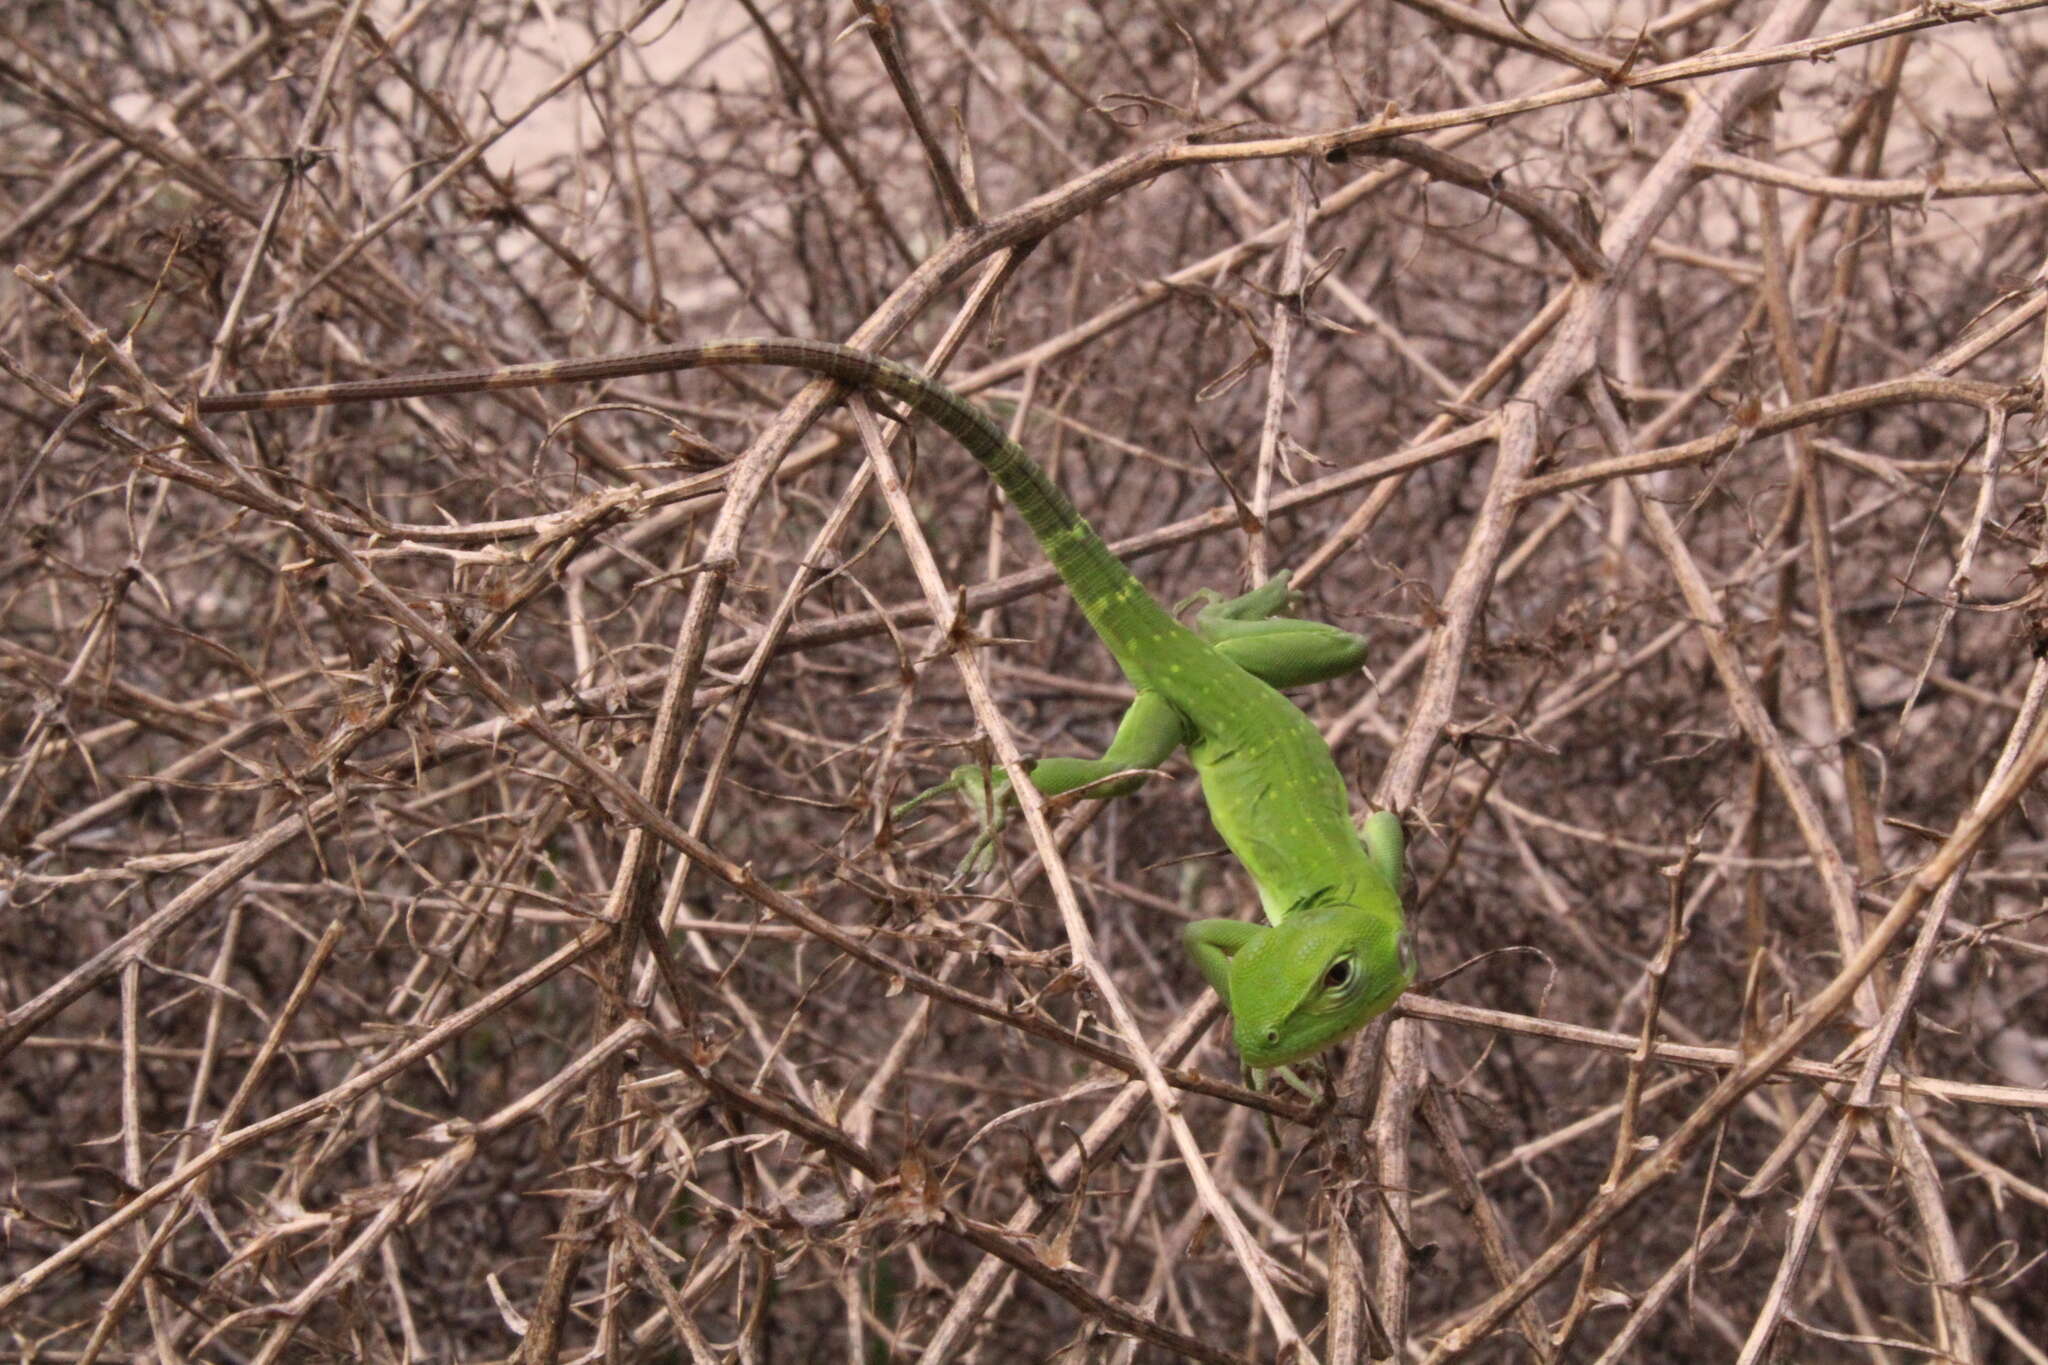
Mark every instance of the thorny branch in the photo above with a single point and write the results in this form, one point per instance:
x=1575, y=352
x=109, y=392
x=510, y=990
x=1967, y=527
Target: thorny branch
x=383, y=787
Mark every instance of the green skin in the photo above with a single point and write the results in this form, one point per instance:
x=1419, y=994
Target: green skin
x=1334, y=954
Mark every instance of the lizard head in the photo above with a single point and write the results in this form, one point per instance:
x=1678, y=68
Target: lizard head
x=1315, y=979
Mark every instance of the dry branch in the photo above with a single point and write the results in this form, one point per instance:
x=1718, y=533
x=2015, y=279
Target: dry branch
x=451, y=905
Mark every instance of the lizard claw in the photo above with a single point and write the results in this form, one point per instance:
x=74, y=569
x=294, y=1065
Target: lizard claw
x=1256, y=1078
x=988, y=792
x=980, y=858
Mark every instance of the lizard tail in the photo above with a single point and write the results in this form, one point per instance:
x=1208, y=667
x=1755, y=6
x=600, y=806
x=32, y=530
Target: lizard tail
x=1119, y=608
x=1114, y=602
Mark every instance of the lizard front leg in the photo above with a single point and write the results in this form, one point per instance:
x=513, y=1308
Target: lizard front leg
x=1212, y=943
x=1386, y=845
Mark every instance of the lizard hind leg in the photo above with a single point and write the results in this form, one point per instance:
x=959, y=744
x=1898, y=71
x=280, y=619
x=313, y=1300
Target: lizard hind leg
x=1146, y=737
x=1275, y=597
x=1252, y=632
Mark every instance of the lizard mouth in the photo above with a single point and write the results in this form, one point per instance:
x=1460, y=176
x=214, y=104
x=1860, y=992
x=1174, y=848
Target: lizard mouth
x=1269, y=1047
x=1268, y=1050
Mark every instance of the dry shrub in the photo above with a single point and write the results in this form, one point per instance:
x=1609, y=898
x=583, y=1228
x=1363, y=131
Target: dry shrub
x=1663, y=408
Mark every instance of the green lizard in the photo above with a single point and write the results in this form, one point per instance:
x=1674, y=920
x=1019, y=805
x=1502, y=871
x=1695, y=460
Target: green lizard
x=1335, y=953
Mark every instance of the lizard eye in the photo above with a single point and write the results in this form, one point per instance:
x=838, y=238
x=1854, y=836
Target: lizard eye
x=1339, y=975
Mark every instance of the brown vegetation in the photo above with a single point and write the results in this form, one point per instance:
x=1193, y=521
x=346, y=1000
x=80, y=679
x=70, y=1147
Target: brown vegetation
x=450, y=907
